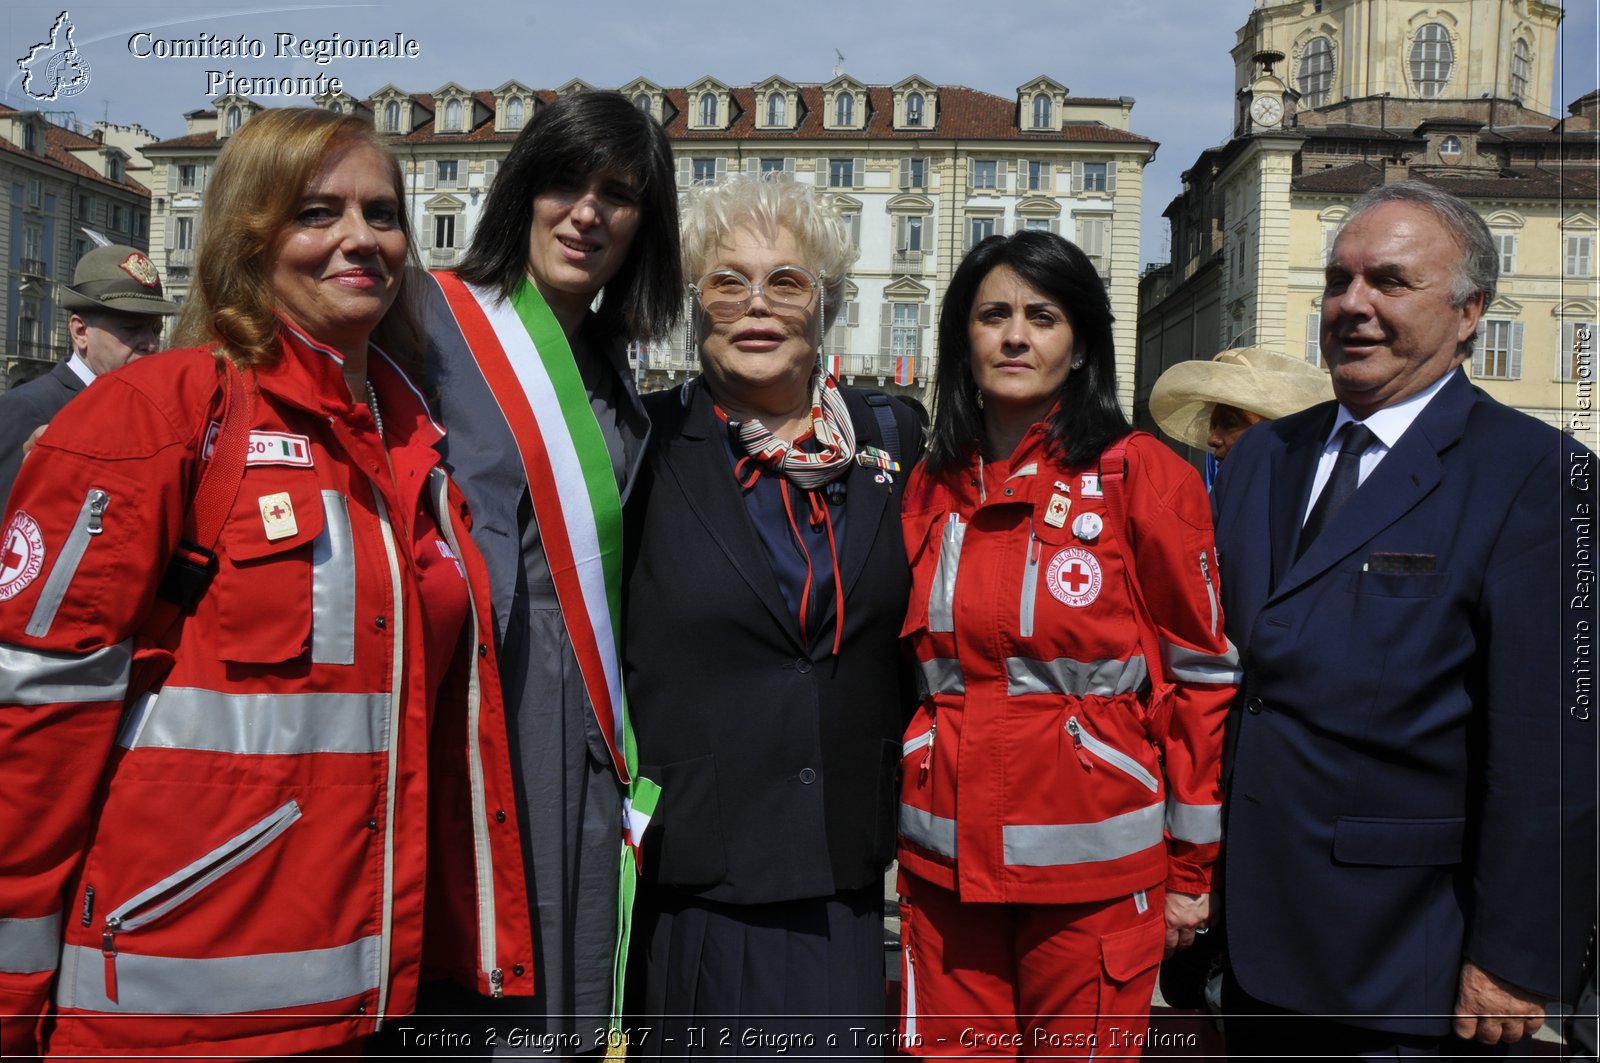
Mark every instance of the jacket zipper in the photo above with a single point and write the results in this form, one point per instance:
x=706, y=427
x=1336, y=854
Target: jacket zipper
x=1211, y=592
x=1030, y=585
x=90, y=523
x=396, y=680
x=179, y=887
x=922, y=741
x=1084, y=740
x=483, y=853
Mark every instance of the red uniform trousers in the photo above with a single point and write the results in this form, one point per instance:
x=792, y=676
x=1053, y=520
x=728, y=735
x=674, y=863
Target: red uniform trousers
x=1027, y=981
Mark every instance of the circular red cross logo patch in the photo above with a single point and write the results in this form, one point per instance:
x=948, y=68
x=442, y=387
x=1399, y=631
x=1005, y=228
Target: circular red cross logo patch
x=21, y=555
x=1074, y=577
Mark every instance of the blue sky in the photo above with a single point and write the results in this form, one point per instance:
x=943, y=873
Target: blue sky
x=1170, y=55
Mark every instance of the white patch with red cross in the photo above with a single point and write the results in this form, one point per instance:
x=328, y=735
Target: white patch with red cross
x=1074, y=577
x=21, y=555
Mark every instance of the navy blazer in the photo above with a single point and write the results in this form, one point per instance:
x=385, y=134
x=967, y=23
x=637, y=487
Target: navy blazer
x=776, y=759
x=26, y=407
x=1410, y=779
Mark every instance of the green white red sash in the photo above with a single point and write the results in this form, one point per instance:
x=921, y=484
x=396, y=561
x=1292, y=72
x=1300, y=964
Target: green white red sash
x=524, y=357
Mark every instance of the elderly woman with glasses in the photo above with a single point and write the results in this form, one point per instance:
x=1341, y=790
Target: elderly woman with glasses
x=766, y=585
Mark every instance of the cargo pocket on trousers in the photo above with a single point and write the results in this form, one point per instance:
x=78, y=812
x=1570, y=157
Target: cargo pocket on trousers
x=1129, y=959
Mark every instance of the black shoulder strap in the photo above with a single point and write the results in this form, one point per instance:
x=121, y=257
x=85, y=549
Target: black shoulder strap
x=887, y=429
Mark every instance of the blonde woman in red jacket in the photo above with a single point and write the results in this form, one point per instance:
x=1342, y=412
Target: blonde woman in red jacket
x=1060, y=799
x=215, y=831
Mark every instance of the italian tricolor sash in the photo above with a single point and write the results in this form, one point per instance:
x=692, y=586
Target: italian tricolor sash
x=524, y=357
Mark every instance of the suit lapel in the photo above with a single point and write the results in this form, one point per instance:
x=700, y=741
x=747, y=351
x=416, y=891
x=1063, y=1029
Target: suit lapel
x=1294, y=466
x=1407, y=474
x=698, y=463
x=864, y=500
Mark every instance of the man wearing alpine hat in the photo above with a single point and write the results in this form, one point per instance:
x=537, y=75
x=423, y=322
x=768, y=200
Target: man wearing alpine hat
x=116, y=306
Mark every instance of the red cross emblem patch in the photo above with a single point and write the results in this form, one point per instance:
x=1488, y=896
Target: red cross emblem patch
x=21, y=555
x=1074, y=577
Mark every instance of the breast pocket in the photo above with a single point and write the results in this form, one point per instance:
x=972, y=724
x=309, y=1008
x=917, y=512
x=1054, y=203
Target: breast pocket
x=277, y=553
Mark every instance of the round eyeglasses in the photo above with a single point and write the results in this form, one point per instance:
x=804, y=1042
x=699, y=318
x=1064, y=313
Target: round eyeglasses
x=725, y=294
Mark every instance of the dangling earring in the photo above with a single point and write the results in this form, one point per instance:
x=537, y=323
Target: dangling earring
x=822, y=315
x=688, y=332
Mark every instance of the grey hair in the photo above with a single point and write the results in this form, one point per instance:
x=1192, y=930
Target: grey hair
x=712, y=213
x=1479, y=268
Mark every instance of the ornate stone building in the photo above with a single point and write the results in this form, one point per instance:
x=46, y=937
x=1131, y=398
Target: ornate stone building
x=920, y=171
x=59, y=184
x=1336, y=96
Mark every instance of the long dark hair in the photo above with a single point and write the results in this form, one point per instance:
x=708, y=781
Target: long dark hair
x=577, y=136
x=1088, y=418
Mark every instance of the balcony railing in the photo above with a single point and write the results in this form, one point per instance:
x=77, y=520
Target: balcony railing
x=439, y=257
x=32, y=267
x=180, y=257
x=909, y=262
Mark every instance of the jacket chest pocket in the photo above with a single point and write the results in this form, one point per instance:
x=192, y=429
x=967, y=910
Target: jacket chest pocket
x=277, y=553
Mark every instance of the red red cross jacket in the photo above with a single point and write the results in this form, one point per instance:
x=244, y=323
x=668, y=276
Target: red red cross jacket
x=243, y=851
x=1035, y=770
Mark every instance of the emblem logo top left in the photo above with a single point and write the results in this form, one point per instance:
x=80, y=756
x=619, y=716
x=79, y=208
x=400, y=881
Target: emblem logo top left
x=21, y=555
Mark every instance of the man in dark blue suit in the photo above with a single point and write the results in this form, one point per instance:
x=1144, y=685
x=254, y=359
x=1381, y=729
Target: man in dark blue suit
x=1409, y=851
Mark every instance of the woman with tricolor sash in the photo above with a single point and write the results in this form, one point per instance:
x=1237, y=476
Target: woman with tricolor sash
x=766, y=587
x=546, y=434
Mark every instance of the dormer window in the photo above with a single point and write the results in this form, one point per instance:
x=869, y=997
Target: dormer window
x=452, y=116
x=235, y=116
x=514, y=113
x=1041, y=111
x=708, y=108
x=844, y=109
x=30, y=139
x=777, y=109
x=1450, y=148
x=641, y=100
x=391, y=116
x=914, y=109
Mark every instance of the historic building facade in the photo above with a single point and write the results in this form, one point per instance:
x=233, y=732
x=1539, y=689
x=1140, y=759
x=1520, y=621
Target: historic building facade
x=1336, y=96
x=60, y=185
x=919, y=170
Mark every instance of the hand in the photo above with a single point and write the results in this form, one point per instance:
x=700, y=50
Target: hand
x=1186, y=913
x=27, y=444
x=1492, y=1011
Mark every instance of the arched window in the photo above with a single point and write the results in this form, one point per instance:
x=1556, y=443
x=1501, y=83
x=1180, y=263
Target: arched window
x=391, y=116
x=1450, y=148
x=1521, y=69
x=1041, y=111
x=514, y=113
x=235, y=116
x=777, y=108
x=336, y=107
x=914, y=109
x=708, y=108
x=1432, y=59
x=452, y=116
x=844, y=109
x=1316, y=72
x=641, y=100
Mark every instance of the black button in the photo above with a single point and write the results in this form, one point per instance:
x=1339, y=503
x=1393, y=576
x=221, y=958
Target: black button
x=1254, y=706
x=808, y=776
x=803, y=665
x=517, y=970
x=361, y=1009
x=483, y=649
x=383, y=622
x=500, y=815
x=372, y=824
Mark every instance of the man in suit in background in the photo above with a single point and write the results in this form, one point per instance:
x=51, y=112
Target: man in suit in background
x=117, y=308
x=1409, y=856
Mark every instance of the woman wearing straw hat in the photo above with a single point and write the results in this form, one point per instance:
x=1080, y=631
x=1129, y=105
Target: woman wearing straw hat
x=1209, y=403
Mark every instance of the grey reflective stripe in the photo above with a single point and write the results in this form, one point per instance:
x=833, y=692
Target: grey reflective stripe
x=1027, y=470
x=1200, y=824
x=942, y=595
x=55, y=589
x=29, y=946
x=224, y=985
x=39, y=677
x=941, y=676
x=1191, y=666
x=911, y=988
x=1078, y=678
x=1049, y=844
x=333, y=585
x=178, y=887
x=397, y=666
x=928, y=830
x=1030, y=588
x=257, y=724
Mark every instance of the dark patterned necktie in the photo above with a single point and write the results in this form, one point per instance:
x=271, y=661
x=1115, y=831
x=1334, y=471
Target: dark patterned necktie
x=1354, y=441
